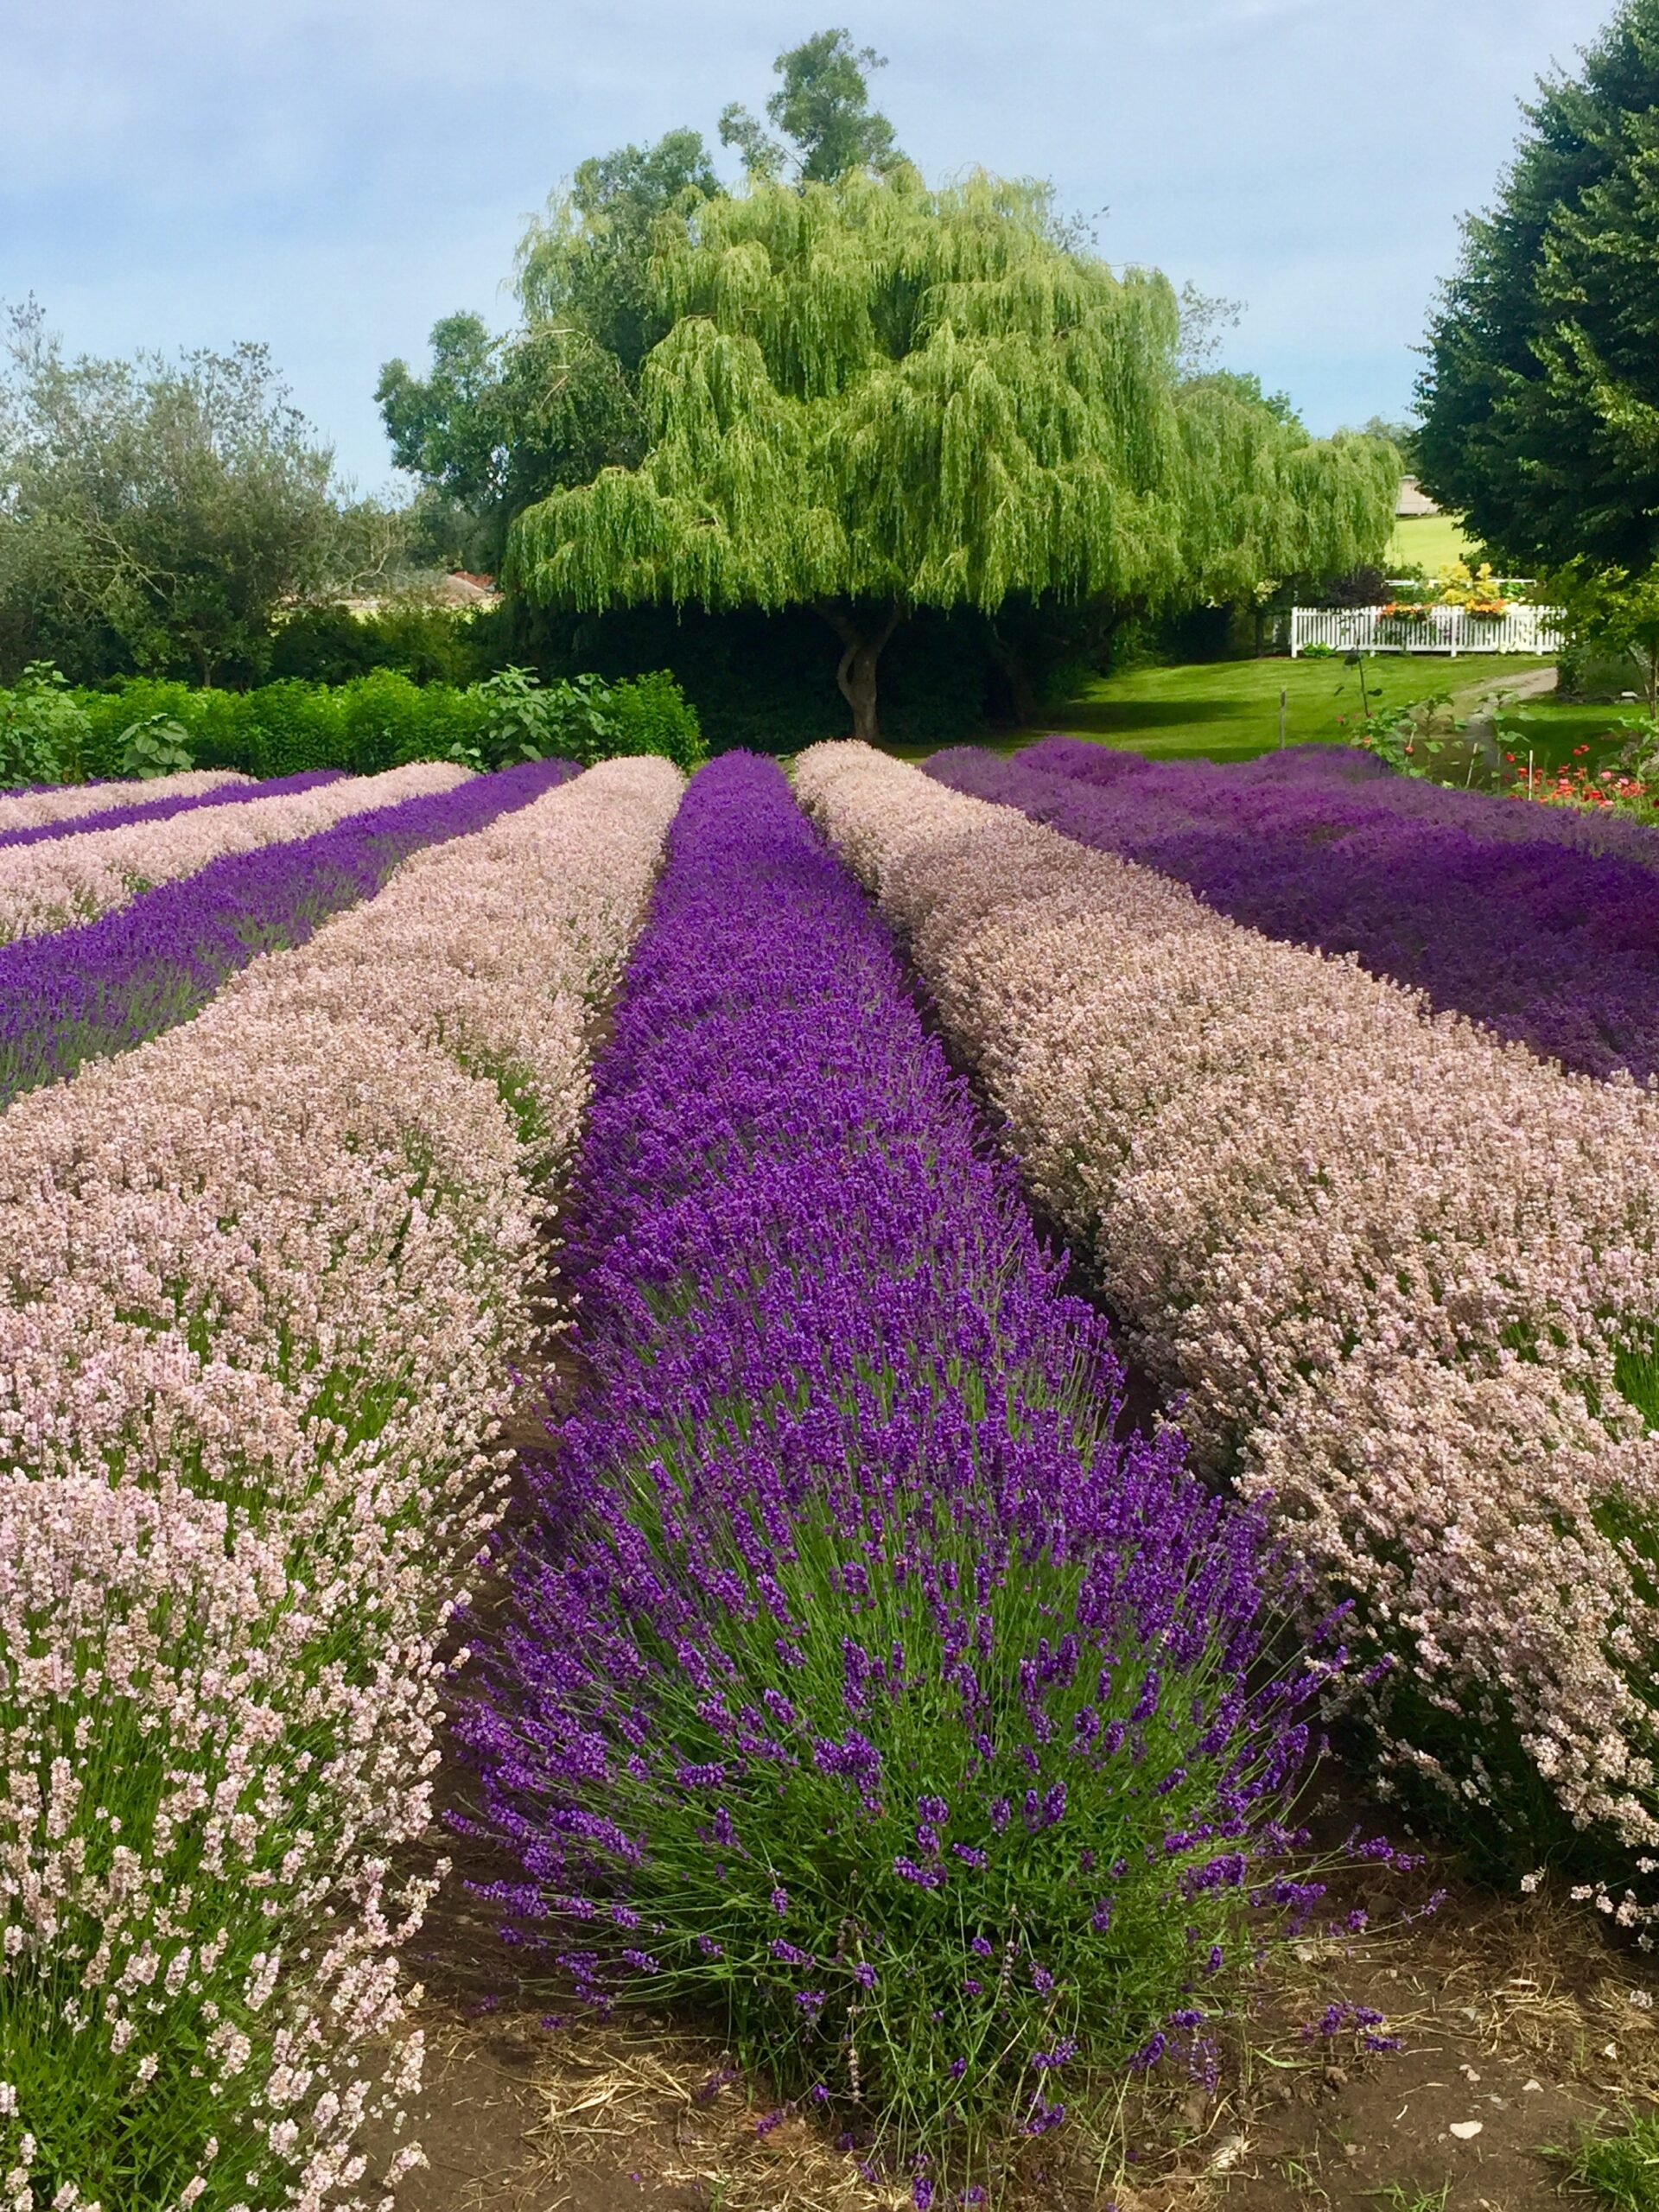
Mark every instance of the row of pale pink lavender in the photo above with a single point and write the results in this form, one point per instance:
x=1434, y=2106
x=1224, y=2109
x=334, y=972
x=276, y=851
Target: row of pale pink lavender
x=66, y=802
x=67, y=880
x=262, y=1283
x=1390, y=1261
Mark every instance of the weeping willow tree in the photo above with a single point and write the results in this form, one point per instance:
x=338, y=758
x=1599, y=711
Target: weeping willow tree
x=873, y=397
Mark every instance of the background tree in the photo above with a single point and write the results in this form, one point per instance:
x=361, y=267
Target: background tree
x=1401, y=435
x=823, y=108
x=1541, y=399
x=584, y=262
x=1613, y=614
x=873, y=397
x=497, y=422
x=171, y=507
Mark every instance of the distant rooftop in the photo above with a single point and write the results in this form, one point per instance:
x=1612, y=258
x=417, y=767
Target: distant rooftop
x=1413, y=500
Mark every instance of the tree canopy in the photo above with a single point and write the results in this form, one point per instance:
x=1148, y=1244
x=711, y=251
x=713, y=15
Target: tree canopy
x=822, y=109
x=837, y=389
x=1541, y=399
x=872, y=396
x=496, y=423
x=155, y=513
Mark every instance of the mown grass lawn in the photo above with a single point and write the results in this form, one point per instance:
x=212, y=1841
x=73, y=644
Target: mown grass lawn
x=1428, y=542
x=1228, y=711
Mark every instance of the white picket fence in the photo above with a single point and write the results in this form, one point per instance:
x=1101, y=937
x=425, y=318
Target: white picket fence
x=1519, y=629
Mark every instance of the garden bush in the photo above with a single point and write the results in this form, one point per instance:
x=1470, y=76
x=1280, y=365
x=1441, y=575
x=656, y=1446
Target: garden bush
x=430, y=643
x=45, y=734
x=857, y=1682
x=51, y=733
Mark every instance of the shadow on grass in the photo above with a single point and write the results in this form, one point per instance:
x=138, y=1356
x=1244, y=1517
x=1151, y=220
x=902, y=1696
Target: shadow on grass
x=1113, y=716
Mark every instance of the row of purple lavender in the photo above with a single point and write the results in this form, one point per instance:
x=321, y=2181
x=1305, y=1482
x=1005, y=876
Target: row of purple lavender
x=855, y=1682
x=80, y=993
x=1490, y=906
x=132, y=808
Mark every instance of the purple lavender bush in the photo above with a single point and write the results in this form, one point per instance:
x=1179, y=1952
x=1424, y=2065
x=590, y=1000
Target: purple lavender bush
x=855, y=1680
x=1553, y=944
x=1350, y=775
x=162, y=809
x=81, y=994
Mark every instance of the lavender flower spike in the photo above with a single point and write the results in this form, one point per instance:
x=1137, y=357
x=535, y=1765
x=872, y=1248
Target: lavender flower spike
x=838, y=1543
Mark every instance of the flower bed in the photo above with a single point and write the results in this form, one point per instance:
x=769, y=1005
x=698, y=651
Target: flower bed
x=1407, y=1276
x=74, y=880
x=265, y=1278
x=1556, y=947
x=78, y=995
x=61, y=802
x=136, y=806
x=1358, y=788
x=856, y=1682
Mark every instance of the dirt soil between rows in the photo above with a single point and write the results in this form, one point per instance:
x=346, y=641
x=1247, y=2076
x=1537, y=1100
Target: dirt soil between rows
x=1519, y=2024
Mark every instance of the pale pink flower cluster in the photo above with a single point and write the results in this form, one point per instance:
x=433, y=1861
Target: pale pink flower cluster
x=33, y=810
x=62, y=881
x=263, y=1284
x=1390, y=1262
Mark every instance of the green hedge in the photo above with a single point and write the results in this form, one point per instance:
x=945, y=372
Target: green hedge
x=375, y=722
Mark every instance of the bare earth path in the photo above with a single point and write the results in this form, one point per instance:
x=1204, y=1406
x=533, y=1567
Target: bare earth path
x=1518, y=2024
x=1477, y=704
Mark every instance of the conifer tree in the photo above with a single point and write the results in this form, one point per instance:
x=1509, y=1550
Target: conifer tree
x=1541, y=399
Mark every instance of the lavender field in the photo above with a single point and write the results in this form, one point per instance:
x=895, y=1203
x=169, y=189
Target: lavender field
x=1541, y=924
x=527, y=1341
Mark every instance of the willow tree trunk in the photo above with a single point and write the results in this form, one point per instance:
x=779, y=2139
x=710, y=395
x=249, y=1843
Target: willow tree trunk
x=855, y=673
x=1016, y=674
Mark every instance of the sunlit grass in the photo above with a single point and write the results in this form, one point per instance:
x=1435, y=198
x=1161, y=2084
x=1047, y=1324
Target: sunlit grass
x=1622, y=2170
x=1228, y=711
x=1429, y=542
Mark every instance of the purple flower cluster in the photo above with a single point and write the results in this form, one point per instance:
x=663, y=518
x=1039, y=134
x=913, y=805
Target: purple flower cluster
x=901, y=1703
x=1490, y=906
x=80, y=994
x=162, y=809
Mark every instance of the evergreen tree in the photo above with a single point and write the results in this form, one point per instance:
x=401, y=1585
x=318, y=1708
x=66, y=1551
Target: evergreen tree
x=1540, y=401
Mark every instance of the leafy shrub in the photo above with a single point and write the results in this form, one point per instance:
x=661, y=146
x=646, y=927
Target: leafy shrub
x=44, y=731
x=296, y=726
x=389, y=721
x=157, y=745
x=583, y=718
x=382, y=720
x=651, y=714
x=429, y=644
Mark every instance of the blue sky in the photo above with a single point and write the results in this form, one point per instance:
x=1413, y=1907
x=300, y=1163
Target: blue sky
x=331, y=176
